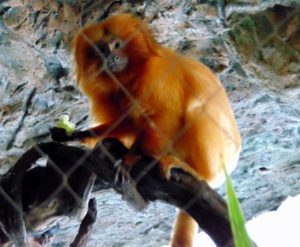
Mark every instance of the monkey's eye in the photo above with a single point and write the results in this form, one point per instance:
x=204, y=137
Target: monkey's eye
x=116, y=44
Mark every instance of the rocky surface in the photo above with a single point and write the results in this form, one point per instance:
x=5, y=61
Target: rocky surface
x=254, y=48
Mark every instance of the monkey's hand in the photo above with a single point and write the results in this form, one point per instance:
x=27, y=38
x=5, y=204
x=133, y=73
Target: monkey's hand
x=128, y=184
x=60, y=135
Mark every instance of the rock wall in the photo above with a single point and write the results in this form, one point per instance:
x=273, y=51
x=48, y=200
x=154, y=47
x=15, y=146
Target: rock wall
x=253, y=46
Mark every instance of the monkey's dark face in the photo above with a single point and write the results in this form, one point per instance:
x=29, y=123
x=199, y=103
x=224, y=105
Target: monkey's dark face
x=110, y=53
x=117, y=48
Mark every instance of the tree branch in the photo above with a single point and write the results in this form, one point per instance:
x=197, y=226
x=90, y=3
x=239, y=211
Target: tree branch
x=139, y=184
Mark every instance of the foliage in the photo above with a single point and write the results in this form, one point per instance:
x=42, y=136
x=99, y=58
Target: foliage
x=237, y=221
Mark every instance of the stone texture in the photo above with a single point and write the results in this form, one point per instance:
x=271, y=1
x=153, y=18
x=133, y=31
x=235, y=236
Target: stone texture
x=254, y=51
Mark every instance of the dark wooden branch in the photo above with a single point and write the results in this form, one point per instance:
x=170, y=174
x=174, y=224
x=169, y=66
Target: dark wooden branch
x=86, y=225
x=140, y=184
x=185, y=192
x=26, y=194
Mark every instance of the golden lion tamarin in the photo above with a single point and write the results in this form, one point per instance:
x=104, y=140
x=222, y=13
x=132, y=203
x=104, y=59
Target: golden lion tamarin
x=168, y=105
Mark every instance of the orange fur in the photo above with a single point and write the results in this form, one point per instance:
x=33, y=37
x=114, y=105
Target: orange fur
x=166, y=103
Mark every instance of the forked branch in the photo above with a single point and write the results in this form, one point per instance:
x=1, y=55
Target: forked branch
x=139, y=184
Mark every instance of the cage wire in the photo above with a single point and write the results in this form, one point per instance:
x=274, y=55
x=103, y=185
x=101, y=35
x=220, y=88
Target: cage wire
x=135, y=105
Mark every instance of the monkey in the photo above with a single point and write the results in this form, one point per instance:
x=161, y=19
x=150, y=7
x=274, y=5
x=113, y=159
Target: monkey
x=166, y=104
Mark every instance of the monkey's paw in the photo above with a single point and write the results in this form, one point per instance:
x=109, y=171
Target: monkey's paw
x=169, y=162
x=128, y=186
x=59, y=134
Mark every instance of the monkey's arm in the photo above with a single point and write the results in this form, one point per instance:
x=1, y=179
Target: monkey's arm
x=59, y=134
x=102, y=130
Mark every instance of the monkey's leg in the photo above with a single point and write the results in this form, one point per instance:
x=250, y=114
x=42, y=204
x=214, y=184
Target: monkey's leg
x=185, y=227
x=185, y=230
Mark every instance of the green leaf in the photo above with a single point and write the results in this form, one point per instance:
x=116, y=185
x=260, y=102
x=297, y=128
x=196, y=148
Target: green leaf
x=64, y=123
x=237, y=220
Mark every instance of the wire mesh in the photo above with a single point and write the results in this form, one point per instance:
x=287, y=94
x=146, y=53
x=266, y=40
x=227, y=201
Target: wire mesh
x=136, y=105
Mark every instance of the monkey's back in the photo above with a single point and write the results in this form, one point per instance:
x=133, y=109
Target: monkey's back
x=211, y=138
